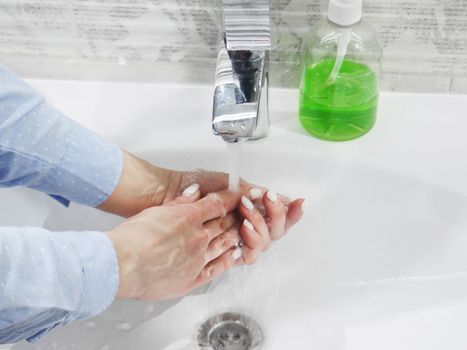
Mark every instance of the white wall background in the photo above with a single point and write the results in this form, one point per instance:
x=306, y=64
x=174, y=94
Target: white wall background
x=175, y=40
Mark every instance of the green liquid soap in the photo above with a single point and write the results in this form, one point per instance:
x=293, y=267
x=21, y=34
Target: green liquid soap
x=338, y=110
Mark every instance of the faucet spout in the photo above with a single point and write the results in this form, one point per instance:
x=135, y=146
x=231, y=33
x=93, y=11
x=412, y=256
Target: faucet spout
x=240, y=109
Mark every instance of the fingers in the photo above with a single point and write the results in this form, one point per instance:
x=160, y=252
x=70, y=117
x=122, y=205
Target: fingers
x=253, y=243
x=277, y=213
x=249, y=212
x=256, y=194
x=223, y=243
x=189, y=195
x=294, y=213
x=223, y=251
x=218, y=266
x=220, y=225
x=216, y=205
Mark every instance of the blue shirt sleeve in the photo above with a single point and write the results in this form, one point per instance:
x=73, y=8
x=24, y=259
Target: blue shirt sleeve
x=42, y=149
x=52, y=278
x=48, y=279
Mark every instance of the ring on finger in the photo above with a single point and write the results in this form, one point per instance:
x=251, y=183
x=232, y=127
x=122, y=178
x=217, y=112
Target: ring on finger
x=239, y=244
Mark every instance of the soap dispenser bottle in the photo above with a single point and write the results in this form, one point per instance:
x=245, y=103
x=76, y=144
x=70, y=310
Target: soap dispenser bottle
x=339, y=86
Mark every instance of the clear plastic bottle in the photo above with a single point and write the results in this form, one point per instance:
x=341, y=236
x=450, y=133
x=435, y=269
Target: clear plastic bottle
x=340, y=85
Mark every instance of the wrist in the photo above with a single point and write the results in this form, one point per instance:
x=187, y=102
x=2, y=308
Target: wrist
x=141, y=185
x=127, y=281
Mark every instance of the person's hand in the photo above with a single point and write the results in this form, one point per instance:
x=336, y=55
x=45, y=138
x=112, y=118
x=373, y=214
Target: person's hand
x=143, y=185
x=167, y=251
x=266, y=219
x=263, y=218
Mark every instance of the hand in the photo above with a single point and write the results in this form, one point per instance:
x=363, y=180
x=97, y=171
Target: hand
x=266, y=219
x=167, y=251
x=143, y=185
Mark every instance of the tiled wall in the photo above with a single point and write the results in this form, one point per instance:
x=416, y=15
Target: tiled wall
x=175, y=40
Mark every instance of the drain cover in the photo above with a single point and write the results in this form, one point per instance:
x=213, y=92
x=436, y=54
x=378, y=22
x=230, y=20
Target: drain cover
x=230, y=331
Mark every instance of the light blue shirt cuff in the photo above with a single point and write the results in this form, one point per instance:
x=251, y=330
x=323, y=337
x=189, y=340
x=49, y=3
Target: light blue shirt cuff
x=100, y=273
x=50, y=279
x=100, y=278
x=88, y=172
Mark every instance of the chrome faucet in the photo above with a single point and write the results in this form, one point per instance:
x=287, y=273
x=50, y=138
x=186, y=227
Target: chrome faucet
x=240, y=109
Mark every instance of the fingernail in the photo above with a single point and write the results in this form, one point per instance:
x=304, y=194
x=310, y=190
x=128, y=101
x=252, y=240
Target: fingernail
x=255, y=193
x=190, y=190
x=247, y=203
x=248, y=225
x=237, y=254
x=272, y=196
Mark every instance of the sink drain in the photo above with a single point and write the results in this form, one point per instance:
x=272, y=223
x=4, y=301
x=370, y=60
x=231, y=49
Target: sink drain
x=230, y=331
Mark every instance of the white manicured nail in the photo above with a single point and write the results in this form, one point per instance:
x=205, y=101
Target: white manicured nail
x=255, y=193
x=190, y=190
x=237, y=254
x=272, y=196
x=247, y=203
x=248, y=225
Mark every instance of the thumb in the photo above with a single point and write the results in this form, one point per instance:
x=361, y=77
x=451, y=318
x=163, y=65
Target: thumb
x=190, y=195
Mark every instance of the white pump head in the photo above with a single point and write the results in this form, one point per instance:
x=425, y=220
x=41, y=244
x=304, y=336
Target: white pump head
x=345, y=12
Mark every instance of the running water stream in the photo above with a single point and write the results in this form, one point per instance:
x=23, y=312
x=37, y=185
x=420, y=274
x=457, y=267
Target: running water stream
x=234, y=149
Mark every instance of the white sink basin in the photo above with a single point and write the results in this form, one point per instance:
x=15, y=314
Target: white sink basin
x=379, y=261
